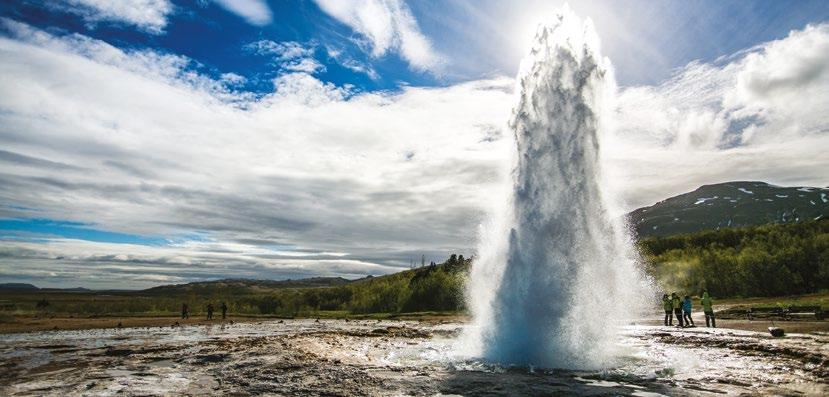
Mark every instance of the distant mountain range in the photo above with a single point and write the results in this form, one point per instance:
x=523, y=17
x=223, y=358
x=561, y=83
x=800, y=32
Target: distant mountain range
x=730, y=204
x=31, y=288
x=245, y=285
x=230, y=286
x=18, y=287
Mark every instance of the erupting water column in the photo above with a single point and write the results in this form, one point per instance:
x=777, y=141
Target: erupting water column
x=556, y=272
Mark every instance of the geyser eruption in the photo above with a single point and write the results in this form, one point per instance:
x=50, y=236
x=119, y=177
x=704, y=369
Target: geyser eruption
x=556, y=272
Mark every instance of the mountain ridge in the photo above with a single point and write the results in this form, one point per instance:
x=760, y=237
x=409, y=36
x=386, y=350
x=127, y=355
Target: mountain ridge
x=730, y=204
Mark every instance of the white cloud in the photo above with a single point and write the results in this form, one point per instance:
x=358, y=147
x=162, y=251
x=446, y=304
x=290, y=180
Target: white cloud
x=757, y=115
x=255, y=12
x=62, y=262
x=149, y=15
x=785, y=84
x=232, y=79
x=351, y=64
x=138, y=142
x=289, y=55
x=386, y=25
x=305, y=65
x=283, y=51
x=156, y=148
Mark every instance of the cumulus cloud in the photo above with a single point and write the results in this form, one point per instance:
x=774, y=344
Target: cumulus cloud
x=159, y=149
x=386, y=25
x=255, y=12
x=785, y=85
x=148, y=15
x=759, y=114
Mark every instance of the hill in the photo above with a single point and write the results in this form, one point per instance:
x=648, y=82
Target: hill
x=242, y=286
x=18, y=287
x=731, y=204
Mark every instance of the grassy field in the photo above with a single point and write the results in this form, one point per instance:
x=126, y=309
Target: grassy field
x=737, y=308
x=816, y=299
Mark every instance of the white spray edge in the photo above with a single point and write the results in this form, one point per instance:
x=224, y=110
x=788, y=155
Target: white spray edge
x=556, y=273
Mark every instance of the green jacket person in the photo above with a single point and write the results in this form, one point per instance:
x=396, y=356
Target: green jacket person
x=676, y=304
x=708, y=309
x=668, y=306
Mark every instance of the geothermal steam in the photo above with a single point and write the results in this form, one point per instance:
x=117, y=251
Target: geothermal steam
x=555, y=272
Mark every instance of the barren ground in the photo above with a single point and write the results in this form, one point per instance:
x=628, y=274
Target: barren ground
x=369, y=357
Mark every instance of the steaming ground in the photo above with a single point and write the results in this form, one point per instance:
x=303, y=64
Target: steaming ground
x=336, y=357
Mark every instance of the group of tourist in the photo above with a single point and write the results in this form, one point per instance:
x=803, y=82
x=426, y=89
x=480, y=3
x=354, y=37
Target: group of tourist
x=185, y=311
x=681, y=309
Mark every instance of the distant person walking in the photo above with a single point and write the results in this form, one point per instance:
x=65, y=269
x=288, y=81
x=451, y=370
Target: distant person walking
x=687, y=305
x=708, y=309
x=224, y=310
x=669, y=310
x=209, y=311
x=676, y=304
x=185, y=311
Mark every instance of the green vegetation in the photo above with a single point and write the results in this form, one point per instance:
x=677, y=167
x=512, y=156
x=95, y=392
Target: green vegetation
x=430, y=288
x=767, y=260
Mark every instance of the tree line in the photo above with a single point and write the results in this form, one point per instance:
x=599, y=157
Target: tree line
x=767, y=260
x=435, y=287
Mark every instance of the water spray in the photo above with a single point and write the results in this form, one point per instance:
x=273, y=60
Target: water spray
x=556, y=272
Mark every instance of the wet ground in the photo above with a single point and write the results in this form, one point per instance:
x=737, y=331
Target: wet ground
x=336, y=357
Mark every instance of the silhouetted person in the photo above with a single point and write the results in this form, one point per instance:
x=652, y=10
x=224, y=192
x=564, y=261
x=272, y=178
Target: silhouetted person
x=687, y=305
x=669, y=310
x=708, y=309
x=209, y=311
x=42, y=304
x=224, y=310
x=676, y=304
x=185, y=311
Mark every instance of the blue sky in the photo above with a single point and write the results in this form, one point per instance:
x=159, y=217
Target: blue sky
x=35, y=229
x=645, y=40
x=145, y=142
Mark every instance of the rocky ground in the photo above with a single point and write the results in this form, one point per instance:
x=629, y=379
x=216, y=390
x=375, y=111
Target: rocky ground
x=337, y=357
